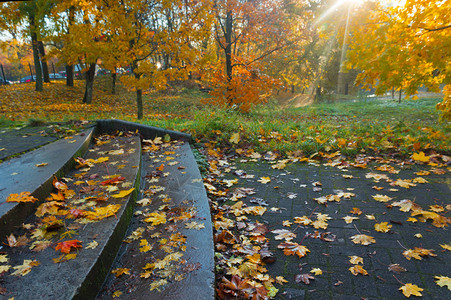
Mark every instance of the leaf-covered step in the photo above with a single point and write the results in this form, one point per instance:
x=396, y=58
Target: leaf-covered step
x=168, y=251
x=67, y=247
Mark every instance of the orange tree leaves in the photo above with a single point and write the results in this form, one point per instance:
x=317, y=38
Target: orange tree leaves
x=290, y=248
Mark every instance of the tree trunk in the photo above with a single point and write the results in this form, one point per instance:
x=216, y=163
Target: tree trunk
x=37, y=63
x=400, y=93
x=69, y=75
x=45, y=67
x=89, y=83
x=228, y=53
x=69, y=67
x=113, y=88
x=292, y=89
x=139, y=103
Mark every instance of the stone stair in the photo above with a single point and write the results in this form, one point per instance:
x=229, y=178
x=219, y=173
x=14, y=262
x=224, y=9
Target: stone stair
x=99, y=221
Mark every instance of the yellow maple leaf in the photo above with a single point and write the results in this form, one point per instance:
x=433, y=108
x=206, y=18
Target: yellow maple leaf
x=101, y=213
x=382, y=227
x=22, y=197
x=4, y=268
x=92, y=245
x=349, y=219
x=123, y=193
x=362, y=239
x=442, y=281
x=446, y=246
x=264, y=180
x=156, y=218
x=355, y=260
x=411, y=289
x=116, y=294
x=381, y=198
x=420, y=157
x=316, y=271
x=120, y=271
x=3, y=258
x=145, y=247
x=358, y=269
x=419, y=180
x=25, y=268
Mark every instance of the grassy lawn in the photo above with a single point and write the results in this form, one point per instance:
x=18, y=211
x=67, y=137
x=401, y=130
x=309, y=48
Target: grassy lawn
x=351, y=126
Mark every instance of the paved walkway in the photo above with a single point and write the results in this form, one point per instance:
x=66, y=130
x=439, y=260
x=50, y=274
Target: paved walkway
x=290, y=194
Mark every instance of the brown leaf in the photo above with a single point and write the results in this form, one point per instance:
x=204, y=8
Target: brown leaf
x=305, y=278
x=396, y=268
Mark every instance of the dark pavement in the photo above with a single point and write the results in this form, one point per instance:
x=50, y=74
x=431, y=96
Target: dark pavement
x=291, y=194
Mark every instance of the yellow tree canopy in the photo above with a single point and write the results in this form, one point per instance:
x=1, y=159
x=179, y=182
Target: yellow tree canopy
x=404, y=47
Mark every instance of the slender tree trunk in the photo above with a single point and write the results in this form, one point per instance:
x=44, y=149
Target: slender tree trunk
x=139, y=103
x=400, y=93
x=89, y=83
x=37, y=63
x=45, y=67
x=393, y=93
x=228, y=53
x=113, y=88
x=69, y=75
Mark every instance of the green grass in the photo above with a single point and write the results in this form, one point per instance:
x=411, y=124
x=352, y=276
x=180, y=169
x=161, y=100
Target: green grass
x=352, y=127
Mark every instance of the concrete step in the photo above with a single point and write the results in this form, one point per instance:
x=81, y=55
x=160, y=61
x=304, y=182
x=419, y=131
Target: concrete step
x=172, y=187
x=53, y=274
x=23, y=174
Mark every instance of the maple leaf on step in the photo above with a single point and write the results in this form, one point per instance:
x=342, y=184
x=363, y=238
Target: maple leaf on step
x=123, y=193
x=362, y=239
x=67, y=246
x=290, y=248
x=22, y=197
x=443, y=281
x=25, y=268
x=156, y=218
x=381, y=198
x=19, y=242
x=283, y=234
x=101, y=213
x=349, y=219
x=194, y=225
x=396, y=268
x=316, y=271
x=409, y=289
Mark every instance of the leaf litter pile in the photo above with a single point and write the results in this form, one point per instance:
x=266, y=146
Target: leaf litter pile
x=354, y=228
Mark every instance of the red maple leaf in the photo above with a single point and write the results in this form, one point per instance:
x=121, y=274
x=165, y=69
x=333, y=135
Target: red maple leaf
x=66, y=246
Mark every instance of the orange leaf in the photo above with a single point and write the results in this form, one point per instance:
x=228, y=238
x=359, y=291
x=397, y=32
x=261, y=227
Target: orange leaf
x=22, y=197
x=67, y=246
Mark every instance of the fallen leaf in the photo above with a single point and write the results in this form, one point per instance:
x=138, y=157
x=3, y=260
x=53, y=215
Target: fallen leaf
x=92, y=245
x=316, y=271
x=358, y=269
x=355, y=260
x=305, y=278
x=22, y=197
x=194, y=225
x=67, y=246
x=349, y=219
x=41, y=165
x=120, y=271
x=442, y=281
x=382, y=227
x=235, y=138
x=25, y=268
x=396, y=268
x=123, y=193
x=264, y=180
x=362, y=239
x=156, y=218
x=420, y=157
x=381, y=198
x=290, y=248
x=409, y=289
